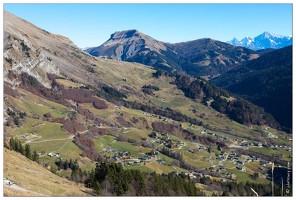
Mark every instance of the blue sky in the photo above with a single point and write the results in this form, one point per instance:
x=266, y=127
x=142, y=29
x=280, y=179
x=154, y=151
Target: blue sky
x=92, y=24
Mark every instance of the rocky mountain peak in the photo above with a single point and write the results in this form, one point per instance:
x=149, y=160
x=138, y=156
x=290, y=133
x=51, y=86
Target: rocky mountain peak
x=125, y=34
x=126, y=44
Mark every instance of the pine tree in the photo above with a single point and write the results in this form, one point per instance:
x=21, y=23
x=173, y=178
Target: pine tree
x=16, y=145
x=16, y=121
x=97, y=187
x=209, y=149
x=71, y=164
x=60, y=164
x=73, y=174
x=120, y=190
x=142, y=188
x=35, y=156
x=28, y=152
x=12, y=143
x=21, y=148
x=66, y=165
x=219, y=148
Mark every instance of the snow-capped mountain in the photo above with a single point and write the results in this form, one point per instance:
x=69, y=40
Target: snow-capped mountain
x=263, y=41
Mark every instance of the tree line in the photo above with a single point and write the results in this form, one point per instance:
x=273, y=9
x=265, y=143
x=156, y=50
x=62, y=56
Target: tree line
x=16, y=145
x=111, y=179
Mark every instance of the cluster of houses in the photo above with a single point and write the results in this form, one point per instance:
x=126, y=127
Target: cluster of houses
x=194, y=174
x=43, y=153
x=245, y=143
x=129, y=161
x=221, y=137
x=124, y=157
x=162, y=138
x=235, y=158
x=116, y=153
x=161, y=118
x=275, y=147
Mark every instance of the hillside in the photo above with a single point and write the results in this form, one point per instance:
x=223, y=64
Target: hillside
x=27, y=174
x=211, y=57
x=197, y=58
x=267, y=82
x=81, y=115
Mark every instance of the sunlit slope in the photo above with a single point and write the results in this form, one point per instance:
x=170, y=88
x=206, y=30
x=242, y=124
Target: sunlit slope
x=28, y=174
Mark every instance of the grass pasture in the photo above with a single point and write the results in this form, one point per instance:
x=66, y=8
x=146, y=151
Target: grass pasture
x=160, y=168
x=50, y=131
x=47, y=146
x=70, y=150
x=26, y=128
x=104, y=113
x=246, y=176
x=196, y=159
x=125, y=146
x=165, y=158
x=68, y=83
x=33, y=104
x=252, y=167
x=103, y=142
x=137, y=134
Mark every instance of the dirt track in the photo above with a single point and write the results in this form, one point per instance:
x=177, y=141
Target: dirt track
x=8, y=183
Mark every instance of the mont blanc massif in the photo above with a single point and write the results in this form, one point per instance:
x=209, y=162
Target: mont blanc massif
x=140, y=117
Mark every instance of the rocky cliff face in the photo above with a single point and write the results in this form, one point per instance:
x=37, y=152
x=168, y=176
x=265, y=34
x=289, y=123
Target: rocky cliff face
x=21, y=54
x=30, y=49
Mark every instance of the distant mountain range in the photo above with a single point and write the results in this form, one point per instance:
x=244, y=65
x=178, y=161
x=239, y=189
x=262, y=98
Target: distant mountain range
x=263, y=41
x=198, y=57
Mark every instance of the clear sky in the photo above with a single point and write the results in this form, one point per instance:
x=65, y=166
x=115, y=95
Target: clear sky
x=90, y=25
